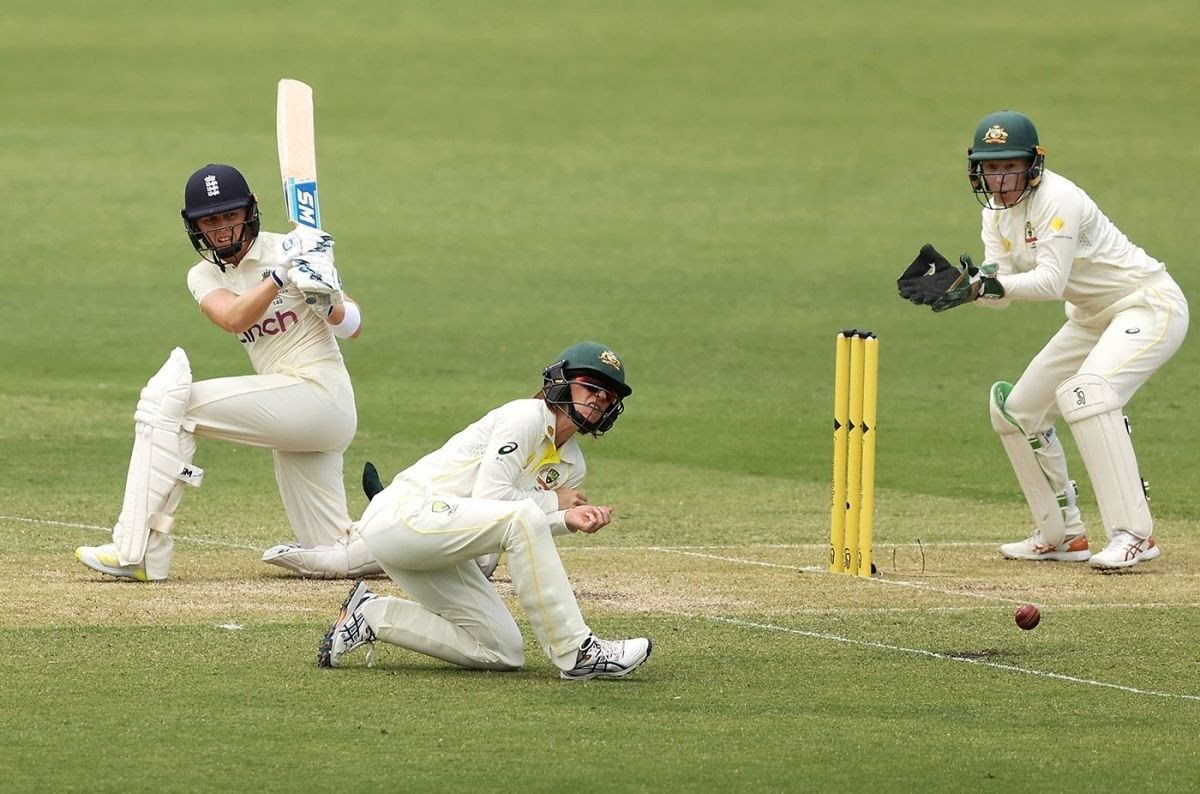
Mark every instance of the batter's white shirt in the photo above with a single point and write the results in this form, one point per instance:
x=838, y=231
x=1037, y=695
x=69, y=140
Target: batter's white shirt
x=509, y=454
x=1058, y=245
x=289, y=338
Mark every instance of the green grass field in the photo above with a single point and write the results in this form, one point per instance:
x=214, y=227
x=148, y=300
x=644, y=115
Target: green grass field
x=712, y=188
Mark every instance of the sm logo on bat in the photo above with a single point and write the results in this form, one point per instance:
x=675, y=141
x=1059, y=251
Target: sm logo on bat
x=302, y=203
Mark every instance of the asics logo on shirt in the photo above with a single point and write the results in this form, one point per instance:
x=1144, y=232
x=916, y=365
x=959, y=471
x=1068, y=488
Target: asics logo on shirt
x=269, y=326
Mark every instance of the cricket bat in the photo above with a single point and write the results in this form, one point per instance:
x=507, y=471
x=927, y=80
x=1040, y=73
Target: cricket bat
x=297, y=152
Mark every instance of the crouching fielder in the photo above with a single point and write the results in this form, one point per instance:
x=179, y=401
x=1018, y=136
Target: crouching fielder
x=280, y=296
x=507, y=483
x=1045, y=239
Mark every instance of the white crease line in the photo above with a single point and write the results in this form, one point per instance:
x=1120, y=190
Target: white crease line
x=109, y=529
x=935, y=655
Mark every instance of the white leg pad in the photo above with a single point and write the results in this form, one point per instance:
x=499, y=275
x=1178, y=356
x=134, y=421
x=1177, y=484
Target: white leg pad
x=1041, y=472
x=161, y=462
x=1094, y=410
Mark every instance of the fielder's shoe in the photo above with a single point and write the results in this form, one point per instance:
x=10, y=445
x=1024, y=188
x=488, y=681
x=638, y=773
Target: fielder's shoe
x=1125, y=549
x=349, y=631
x=608, y=658
x=1035, y=547
x=104, y=559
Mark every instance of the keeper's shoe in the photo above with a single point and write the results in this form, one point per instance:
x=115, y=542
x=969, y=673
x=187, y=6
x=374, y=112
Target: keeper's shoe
x=104, y=560
x=1035, y=547
x=608, y=658
x=349, y=631
x=1124, y=550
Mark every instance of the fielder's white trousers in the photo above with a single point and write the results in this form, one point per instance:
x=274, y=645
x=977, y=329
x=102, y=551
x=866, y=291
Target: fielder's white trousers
x=1125, y=346
x=428, y=544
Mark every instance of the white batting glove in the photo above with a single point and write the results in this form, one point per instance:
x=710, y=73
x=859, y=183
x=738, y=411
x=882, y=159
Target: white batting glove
x=322, y=265
x=309, y=280
x=321, y=304
x=304, y=240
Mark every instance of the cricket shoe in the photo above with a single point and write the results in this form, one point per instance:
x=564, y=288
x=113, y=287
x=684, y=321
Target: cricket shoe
x=349, y=631
x=1035, y=547
x=348, y=558
x=608, y=658
x=104, y=560
x=1124, y=550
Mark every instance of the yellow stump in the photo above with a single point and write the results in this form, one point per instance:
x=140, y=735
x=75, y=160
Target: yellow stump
x=841, y=417
x=852, y=506
x=866, y=525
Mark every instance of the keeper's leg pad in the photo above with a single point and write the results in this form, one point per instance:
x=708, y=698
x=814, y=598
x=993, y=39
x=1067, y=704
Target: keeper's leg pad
x=1093, y=409
x=1041, y=471
x=161, y=462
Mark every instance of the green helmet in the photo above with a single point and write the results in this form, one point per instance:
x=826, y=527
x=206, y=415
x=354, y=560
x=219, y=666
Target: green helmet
x=1004, y=135
x=586, y=358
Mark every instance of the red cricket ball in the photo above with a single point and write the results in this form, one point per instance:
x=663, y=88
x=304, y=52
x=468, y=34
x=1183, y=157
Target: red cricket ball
x=1028, y=616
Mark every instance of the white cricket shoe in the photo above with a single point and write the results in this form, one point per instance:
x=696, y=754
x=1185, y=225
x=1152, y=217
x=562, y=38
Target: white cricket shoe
x=348, y=558
x=104, y=560
x=1035, y=547
x=349, y=631
x=608, y=658
x=1125, y=549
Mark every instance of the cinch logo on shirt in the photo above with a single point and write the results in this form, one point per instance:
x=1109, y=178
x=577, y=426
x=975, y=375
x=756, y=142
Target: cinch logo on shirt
x=268, y=327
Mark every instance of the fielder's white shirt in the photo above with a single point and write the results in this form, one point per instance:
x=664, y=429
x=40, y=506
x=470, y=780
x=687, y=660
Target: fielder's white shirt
x=289, y=338
x=509, y=454
x=1058, y=245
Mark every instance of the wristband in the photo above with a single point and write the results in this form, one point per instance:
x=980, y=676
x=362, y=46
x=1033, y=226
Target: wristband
x=277, y=278
x=350, y=323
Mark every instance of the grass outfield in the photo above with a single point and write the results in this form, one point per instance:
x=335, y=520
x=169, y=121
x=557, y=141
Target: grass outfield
x=713, y=189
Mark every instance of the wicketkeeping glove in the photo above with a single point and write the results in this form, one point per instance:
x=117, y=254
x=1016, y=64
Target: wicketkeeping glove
x=972, y=283
x=927, y=278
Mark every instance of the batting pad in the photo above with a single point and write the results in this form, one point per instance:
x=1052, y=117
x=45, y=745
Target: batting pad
x=1092, y=408
x=161, y=462
x=1040, y=467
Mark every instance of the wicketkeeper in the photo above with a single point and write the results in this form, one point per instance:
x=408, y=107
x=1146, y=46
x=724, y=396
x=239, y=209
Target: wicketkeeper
x=1045, y=239
x=507, y=483
x=281, y=298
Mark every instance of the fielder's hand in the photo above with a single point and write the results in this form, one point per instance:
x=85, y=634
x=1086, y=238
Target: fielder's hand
x=927, y=278
x=570, y=497
x=588, y=518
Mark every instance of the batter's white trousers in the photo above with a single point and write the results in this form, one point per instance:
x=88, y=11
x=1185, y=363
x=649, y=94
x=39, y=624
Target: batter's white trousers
x=306, y=423
x=428, y=543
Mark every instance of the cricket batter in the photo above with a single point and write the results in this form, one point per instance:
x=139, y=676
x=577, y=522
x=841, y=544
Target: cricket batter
x=280, y=296
x=1045, y=239
x=507, y=483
